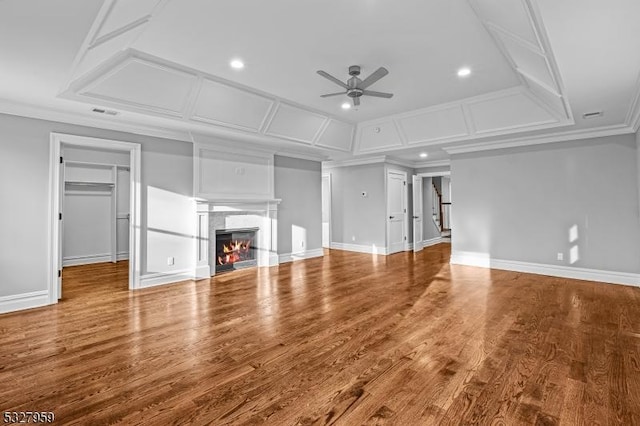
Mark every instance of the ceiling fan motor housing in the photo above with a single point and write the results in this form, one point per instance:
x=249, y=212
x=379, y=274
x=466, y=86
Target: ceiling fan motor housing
x=354, y=93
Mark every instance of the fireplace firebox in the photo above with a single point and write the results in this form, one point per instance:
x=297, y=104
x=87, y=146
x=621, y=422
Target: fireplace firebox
x=235, y=249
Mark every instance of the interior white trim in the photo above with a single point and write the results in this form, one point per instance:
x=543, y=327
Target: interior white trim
x=437, y=163
x=86, y=259
x=18, y=302
x=161, y=278
x=134, y=149
x=633, y=115
x=432, y=174
x=433, y=241
x=613, y=130
x=484, y=261
x=359, y=248
x=370, y=160
x=292, y=257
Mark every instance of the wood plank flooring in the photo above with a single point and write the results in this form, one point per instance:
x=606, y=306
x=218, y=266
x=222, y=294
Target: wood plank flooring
x=347, y=339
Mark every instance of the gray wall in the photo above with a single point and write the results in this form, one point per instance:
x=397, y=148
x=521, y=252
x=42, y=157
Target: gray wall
x=429, y=228
x=353, y=215
x=520, y=204
x=24, y=187
x=299, y=184
x=638, y=164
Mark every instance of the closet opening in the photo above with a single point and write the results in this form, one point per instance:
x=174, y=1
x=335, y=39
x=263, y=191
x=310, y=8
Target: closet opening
x=95, y=213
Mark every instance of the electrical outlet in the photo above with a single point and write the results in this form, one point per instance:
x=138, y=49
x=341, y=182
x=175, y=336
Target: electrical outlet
x=560, y=256
x=353, y=238
x=171, y=260
x=301, y=243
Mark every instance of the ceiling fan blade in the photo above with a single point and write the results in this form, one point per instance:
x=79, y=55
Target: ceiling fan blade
x=332, y=94
x=332, y=78
x=356, y=101
x=377, y=94
x=377, y=75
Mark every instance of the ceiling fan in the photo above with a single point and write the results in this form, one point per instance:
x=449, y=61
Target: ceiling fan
x=356, y=87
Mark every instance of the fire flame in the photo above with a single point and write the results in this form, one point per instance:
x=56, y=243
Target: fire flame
x=234, y=252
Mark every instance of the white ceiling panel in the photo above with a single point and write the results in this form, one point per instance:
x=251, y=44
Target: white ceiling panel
x=104, y=51
x=295, y=124
x=378, y=136
x=510, y=15
x=532, y=63
x=222, y=104
x=337, y=135
x=283, y=43
x=552, y=100
x=142, y=84
x=434, y=124
x=507, y=112
x=125, y=12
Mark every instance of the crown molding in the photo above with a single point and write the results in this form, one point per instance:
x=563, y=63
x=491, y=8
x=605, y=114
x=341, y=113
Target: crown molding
x=381, y=159
x=633, y=115
x=353, y=162
x=438, y=163
x=50, y=114
x=302, y=155
x=613, y=130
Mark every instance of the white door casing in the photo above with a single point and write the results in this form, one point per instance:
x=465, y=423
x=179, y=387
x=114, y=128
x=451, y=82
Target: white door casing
x=396, y=211
x=326, y=210
x=417, y=213
x=56, y=179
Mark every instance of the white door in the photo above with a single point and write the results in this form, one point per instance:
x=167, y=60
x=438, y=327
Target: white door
x=326, y=211
x=417, y=213
x=396, y=211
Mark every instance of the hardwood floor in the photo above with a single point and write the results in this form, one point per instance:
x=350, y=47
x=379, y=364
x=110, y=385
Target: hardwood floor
x=346, y=339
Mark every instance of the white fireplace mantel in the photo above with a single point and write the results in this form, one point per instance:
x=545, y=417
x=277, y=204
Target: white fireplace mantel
x=236, y=213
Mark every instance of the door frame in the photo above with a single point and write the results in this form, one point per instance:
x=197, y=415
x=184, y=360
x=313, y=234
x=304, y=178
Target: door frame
x=433, y=174
x=328, y=175
x=55, y=236
x=406, y=209
x=417, y=245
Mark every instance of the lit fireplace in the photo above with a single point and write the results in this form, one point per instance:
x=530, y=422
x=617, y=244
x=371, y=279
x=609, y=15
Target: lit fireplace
x=235, y=249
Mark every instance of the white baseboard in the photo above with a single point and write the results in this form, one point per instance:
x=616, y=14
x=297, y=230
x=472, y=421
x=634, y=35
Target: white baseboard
x=484, y=261
x=160, y=278
x=18, y=302
x=86, y=260
x=369, y=249
x=202, y=272
x=434, y=241
x=124, y=255
x=292, y=257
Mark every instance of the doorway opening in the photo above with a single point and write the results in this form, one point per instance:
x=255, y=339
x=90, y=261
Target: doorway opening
x=434, y=208
x=94, y=206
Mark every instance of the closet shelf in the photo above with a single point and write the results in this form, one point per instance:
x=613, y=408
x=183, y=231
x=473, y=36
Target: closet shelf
x=89, y=184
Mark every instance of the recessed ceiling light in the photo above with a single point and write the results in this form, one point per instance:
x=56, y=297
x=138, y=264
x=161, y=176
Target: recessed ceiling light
x=346, y=105
x=423, y=155
x=237, y=64
x=464, y=72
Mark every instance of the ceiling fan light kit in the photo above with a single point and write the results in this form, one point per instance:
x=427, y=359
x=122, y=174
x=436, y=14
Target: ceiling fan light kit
x=355, y=87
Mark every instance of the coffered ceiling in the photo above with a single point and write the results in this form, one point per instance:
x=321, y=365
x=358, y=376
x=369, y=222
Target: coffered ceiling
x=536, y=67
